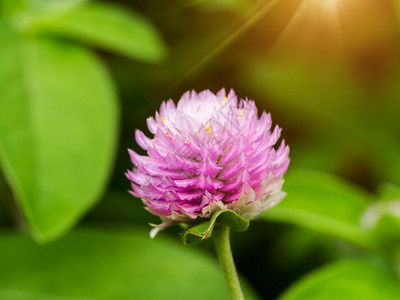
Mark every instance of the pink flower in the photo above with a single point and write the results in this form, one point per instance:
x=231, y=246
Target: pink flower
x=209, y=152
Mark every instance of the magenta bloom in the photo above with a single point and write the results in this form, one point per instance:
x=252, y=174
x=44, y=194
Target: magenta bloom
x=209, y=152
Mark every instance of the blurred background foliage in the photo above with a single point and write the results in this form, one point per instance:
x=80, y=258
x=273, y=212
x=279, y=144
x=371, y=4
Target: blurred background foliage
x=77, y=77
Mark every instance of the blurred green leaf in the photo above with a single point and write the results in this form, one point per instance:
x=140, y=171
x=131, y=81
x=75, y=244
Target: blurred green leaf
x=387, y=228
x=383, y=219
x=93, y=264
x=22, y=295
x=324, y=203
x=204, y=230
x=105, y=26
x=388, y=191
x=23, y=10
x=57, y=129
x=346, y=280
x=8, y=7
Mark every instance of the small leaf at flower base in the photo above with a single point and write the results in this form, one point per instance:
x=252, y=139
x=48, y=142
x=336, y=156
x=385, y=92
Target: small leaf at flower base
x=204, y=230
x=345, y=280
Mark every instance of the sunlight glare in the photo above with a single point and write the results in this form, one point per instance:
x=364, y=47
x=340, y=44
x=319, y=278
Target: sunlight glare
x=315, y=24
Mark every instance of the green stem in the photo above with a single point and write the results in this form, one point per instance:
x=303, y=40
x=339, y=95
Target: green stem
x=223, y=247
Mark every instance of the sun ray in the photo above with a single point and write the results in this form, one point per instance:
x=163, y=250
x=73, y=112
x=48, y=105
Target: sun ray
x=310, y=17
x=255, y=15
x=336, y=6
x=315, y=14
x=292, y=22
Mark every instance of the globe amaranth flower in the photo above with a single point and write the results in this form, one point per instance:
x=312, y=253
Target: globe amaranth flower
x=209, y=152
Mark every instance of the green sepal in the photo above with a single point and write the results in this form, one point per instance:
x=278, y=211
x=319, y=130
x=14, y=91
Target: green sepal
x=199, y=232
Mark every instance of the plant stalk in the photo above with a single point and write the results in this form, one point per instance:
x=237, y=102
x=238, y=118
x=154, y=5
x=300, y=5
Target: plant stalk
x=223, y=247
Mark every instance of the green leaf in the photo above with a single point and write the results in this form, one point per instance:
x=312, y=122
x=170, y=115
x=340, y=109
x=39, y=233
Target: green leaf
x=58, y=128
x=324, y=203
x=93, y=264
x=346, y=280
x=197, y=233
x=383, y=219
x=389, y=191
x=105, y=26
x=23, y=295
x=7, y=7
x=22, y=12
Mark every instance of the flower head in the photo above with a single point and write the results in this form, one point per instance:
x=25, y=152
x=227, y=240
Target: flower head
x=209, y=152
